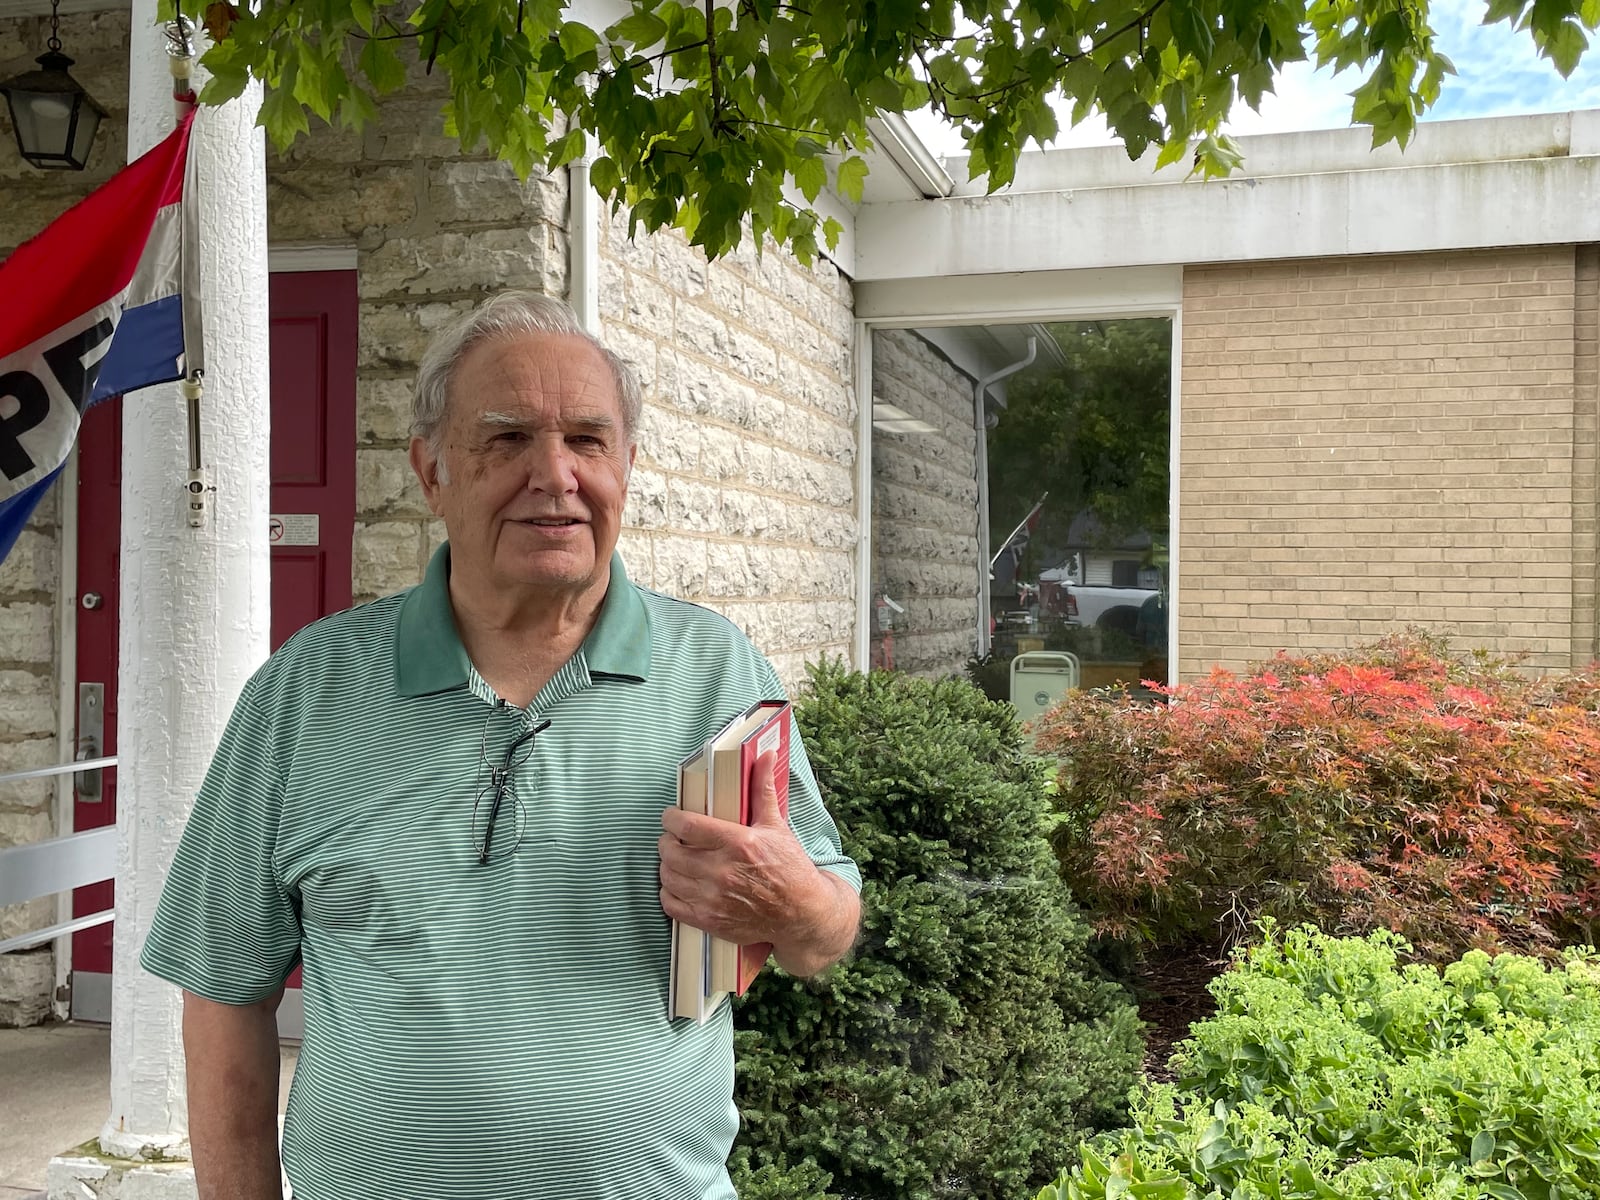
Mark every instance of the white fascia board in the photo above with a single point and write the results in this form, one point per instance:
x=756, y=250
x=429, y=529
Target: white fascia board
x=1529, y=202
x=1311, y=152
x=1585, y=133
x=925, y=303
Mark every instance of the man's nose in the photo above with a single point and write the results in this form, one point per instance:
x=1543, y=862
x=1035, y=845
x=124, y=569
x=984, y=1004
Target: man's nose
x=550, y=466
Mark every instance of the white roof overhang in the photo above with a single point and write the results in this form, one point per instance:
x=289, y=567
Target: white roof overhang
x=1463, y=184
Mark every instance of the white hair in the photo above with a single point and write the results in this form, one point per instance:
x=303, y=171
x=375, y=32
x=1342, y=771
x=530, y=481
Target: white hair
x=508, y=313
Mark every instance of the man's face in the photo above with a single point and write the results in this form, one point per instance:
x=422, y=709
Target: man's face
x=532, y=468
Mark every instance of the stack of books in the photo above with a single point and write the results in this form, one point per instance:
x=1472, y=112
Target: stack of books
x=719, y=779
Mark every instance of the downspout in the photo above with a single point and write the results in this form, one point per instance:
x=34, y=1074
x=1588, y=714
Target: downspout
x=980, y=420
x=583, y=239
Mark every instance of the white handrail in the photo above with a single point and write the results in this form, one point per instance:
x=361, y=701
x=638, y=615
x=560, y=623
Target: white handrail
x=72, y=768
x=57, y=865
x=40, y=936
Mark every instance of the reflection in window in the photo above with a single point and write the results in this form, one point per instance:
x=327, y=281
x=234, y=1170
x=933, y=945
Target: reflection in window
x=1080, y=454
x=1071, y=478
x=924, y=508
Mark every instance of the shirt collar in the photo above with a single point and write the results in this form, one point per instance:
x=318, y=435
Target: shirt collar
x=429, y=656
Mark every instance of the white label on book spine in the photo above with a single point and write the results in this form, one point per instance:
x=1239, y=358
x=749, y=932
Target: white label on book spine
x=770, y=739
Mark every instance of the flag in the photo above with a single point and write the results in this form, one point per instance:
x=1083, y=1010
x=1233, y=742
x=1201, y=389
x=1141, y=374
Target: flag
x=1018, y=541
x=92, y=307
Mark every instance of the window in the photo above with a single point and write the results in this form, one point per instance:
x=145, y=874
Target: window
x=1048, y=534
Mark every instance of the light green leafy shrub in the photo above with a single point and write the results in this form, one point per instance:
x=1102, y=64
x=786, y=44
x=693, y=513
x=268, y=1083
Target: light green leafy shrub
x=1334, y=1071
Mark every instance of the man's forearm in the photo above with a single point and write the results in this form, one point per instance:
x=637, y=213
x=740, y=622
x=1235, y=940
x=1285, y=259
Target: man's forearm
x=824, y=930
x=233, y=1066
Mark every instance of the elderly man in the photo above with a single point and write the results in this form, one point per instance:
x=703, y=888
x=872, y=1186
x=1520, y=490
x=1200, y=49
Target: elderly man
x=456, y=807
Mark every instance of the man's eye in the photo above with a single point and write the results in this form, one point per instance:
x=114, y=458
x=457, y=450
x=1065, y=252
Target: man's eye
x=510, y=435
x=586, y=439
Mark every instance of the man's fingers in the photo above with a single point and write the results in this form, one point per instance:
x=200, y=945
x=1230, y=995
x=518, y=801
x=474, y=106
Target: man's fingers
x=765, y=809
x=695, y=829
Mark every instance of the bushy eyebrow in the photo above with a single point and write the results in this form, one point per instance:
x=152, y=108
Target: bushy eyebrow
x=598, y=423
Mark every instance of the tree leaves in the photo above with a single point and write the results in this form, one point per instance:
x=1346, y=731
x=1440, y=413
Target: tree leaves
x=689, y=115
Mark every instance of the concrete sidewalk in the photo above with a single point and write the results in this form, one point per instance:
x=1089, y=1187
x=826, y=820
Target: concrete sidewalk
x=55, y=1093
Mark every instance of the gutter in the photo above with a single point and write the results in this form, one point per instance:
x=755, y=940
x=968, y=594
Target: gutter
x=981, y=423
x=583, y=239
x=895, y=137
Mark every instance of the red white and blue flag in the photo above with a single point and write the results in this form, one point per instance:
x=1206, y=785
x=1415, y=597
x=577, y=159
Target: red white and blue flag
x=93, y=307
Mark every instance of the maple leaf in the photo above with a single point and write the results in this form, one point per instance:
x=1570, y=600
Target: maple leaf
x=220, y=17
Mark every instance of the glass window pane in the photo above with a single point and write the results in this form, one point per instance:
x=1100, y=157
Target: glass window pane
x=1069, y=490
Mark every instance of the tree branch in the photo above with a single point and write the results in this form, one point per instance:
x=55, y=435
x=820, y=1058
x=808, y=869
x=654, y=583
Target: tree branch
x=712, y=61
x=1137, y=22
x=357, y=35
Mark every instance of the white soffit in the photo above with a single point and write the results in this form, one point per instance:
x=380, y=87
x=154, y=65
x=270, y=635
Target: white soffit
x=1019, y=296
x=1547, y=197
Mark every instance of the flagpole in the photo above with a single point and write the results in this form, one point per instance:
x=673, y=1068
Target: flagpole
x=193, y=611
x=1005, y=545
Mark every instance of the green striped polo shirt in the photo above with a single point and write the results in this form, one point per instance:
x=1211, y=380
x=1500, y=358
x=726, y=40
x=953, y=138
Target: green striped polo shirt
x=473, y=1030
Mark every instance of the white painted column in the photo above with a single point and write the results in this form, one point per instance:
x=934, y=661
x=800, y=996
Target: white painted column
x=194, y=608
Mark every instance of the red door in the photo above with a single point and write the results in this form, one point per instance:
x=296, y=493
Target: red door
x=312, y=343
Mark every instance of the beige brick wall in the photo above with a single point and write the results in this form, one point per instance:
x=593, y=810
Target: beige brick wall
x=744, y=494
x=925, y=508
x=1368, y=443
x=1585, y=468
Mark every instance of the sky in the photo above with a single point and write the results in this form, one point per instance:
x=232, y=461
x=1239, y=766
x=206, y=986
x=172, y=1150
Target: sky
x=1498, y=73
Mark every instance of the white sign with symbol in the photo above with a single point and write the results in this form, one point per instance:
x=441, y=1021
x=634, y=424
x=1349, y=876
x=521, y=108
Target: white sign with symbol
x=295, y=529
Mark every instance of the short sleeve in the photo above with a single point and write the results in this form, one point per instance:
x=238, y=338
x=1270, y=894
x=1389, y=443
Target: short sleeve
x=225, y=927
x=807, y=815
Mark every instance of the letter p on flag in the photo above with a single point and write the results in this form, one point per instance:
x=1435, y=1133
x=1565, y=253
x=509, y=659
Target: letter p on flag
x=94, y=307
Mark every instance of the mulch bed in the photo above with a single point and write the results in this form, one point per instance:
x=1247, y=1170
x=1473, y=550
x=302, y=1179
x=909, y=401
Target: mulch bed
x=1170, y=987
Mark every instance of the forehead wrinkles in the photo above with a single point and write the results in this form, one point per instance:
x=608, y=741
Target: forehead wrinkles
x=511, y=374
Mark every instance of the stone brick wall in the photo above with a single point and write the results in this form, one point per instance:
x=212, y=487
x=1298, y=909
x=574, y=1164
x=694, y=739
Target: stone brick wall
x=29, y=654
x=925, y=507
x=435, y=230
x=743, y=498
x=744, y=494
x=1585, y=453
x=1369, y=443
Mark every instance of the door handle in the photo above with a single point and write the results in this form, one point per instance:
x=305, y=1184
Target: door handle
x=91, y=739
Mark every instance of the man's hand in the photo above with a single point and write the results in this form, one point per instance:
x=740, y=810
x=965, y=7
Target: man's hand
x=756, y=883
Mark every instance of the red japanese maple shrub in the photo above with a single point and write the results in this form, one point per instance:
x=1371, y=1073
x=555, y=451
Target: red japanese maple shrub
x=1452, y=799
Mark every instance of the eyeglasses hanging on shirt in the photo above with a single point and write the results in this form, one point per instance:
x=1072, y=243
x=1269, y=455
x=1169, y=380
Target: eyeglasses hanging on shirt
x=497, y=795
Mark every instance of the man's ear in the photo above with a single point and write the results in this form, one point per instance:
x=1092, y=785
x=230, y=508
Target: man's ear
x=430, y=472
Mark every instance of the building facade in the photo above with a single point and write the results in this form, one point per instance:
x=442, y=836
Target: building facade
x=1385, y=384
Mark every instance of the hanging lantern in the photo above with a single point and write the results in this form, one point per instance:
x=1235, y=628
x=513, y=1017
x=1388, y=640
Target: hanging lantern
x=54, y=118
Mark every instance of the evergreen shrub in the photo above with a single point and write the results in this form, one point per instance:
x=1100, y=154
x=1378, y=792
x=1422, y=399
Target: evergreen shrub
x=1452, y=799
x=969, y=1040
x=1334, y=1072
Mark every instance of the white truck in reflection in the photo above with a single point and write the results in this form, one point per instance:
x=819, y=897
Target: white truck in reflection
x=1104, y=606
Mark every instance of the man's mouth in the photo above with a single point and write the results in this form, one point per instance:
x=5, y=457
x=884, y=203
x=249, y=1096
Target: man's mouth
x=552, y=522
